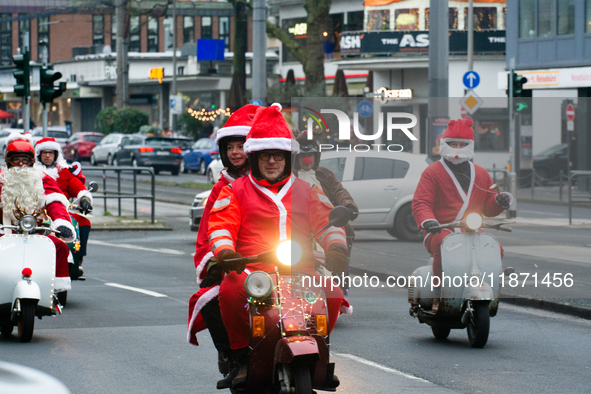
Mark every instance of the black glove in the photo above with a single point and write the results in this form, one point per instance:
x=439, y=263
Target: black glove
x=228, y=266
x=85, y=206
x=213, y=277
x=429, y=224
x=503, y=201
x=65, y=232
x=354, y=212
x=337, y=261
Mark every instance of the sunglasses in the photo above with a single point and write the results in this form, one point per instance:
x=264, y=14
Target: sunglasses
x=21, y=159
x=278, y=156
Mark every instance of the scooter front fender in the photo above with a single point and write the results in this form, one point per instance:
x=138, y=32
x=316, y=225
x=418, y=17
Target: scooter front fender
x=292, y=347
x=26, y=290
x=484, y=292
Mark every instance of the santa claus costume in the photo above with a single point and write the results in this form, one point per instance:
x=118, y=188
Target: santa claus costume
x=453, y=187
x=32, y=190
x=237, y=127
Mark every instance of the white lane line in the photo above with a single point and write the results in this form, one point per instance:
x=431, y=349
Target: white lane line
x=136, y=289
x=379, y=366
x=135, y=247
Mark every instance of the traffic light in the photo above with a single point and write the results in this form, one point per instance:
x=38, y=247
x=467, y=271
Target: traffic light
x=22, y=73
x=518, y=82
x=48, y=91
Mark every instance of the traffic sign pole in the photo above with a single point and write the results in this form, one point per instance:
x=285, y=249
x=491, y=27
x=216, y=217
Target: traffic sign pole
x=512, y=212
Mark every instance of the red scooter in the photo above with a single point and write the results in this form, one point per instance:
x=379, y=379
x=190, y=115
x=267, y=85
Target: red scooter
x=289, y=324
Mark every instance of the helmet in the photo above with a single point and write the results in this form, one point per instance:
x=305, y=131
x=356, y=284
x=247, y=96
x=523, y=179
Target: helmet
x=307, y=146
x=235, y=129
x=18, y=145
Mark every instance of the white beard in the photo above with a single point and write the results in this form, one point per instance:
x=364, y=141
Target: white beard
x=456, y=156
x=23, y=184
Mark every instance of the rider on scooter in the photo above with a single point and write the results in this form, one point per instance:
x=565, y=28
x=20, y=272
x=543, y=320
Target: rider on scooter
x=450, y=189
x=204, y=309
x=31, y=189
x=253, y=214
x=69, y=178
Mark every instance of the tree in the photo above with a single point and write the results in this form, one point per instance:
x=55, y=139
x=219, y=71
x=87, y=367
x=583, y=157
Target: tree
x=311, y=56
x=126, y=121
x=190, y=125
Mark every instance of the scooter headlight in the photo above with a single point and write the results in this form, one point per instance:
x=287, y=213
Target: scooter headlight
x=28, y=223
x=473, y=221
x=258, y=284
x=289, y=251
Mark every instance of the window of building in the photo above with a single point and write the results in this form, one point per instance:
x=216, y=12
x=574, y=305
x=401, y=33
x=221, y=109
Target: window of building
x=5, y=41
x=298, y=30
x=98, y=30
x=485, y=18
x=546, y=18
x=527, y=18
x=378, y=20
x=206, y=31
x=113, y=33
x=42, y=34
x=24, y=26
x=566, y=17
x=453, y=18
x=406, y=19
x=587, y=16
x=134, y=34
x=225, y=30
x=152, y=34
x=188, y=29
x=354, y=21
x=504, y=18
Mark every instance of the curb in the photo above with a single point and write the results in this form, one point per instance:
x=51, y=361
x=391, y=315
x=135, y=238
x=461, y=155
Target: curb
x=130, y=228
x=549, y=306
x=584, y=204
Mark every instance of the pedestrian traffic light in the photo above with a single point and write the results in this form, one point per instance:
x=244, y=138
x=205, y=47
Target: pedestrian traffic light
x=22, y=73
x=518, y=82
x=48, y=91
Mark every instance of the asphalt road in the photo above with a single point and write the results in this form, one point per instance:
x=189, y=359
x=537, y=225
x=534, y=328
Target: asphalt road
x=119, y=340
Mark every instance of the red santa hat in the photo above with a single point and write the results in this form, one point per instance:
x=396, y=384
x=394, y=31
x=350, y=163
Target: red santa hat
x=51, y=144
x=239, y=123
x=459, y=130
x=270, y=131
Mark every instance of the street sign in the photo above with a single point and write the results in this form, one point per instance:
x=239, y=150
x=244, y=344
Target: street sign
x=365, y=109
x=471, y=79
x=176, y=104
x=471, y=102
x=256, y=102
x=570, y=112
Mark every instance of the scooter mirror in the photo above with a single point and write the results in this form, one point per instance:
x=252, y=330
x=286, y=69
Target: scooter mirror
x=93, y=187
x=339, y=216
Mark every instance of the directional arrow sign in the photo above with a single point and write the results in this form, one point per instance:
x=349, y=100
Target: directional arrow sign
x=471, y=79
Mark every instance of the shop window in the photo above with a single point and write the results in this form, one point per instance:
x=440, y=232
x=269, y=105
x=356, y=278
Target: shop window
x=566, y=17
x=453, y=19
x=546, y=18
x=354, y=21
x=43, y=34
x=485, y=18
x=225, y=31
x=134, y=34
x=504, y=18
x=113, y=33
x=188, y=29
x=24, y=26
x=5, y=40
x=378, y=20
x=152, y=34
x=297, y=29
x=406, y=19
x=527, y=18
x=587, y=16
x=206, y=31
x=491, y=130
x=98, y=30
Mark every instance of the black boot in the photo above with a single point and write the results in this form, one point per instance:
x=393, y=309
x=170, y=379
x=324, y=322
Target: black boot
x=239, y=382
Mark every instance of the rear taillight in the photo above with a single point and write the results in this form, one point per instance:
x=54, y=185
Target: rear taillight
x=176, y=150
x=144, y=150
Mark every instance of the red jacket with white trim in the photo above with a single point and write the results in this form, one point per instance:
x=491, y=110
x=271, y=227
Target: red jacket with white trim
x=71, y=185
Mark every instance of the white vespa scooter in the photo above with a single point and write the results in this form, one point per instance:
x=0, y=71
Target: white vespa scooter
x=27, y=273
x=470, y=283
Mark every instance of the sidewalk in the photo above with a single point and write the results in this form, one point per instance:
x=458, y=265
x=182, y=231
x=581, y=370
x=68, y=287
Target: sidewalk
x=125, y=223
x=551, y=195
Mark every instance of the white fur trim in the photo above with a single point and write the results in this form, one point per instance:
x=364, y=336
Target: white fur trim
x=202, y=265
x=18, y=136
x=85, y=193
x=456, y=156
x=62, y=284
x=78, y=168
x=56, y=197
x=70, y=257
x=61, y=222
x=47, y=145
x=232, y=131
x=203, y=300
x=347, y=310
x=277, y=105
x=258, y=144
x=52, y=172
x=228, y=177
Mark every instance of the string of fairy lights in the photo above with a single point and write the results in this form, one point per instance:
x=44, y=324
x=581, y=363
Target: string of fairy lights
x=209, y=115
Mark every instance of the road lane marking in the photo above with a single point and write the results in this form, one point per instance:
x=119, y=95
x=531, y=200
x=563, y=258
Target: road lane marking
x=136, y=289
x=380, y=366
x=135, y=247
x=579, y=254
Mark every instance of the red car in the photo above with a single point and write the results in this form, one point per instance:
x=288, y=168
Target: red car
x=80, y=145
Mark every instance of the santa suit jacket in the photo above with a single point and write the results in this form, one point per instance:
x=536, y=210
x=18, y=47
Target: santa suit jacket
x=71, y=185
x=439, y=195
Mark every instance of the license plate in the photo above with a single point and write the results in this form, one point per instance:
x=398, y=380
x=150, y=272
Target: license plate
x=162, y=153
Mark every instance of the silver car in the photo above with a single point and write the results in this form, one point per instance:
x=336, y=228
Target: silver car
x=382, y=185
x=104, y=152
x=197, y=209
x=59, y=133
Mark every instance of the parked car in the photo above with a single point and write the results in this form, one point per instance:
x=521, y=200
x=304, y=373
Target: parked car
x=161, y=153
x=382, y=185
x=184, y=143
x=58, y=132
x=103, y=152
x=197, y=209
x=549, y=163
x=214, y=169
x=198, y=157
x=80, y=145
